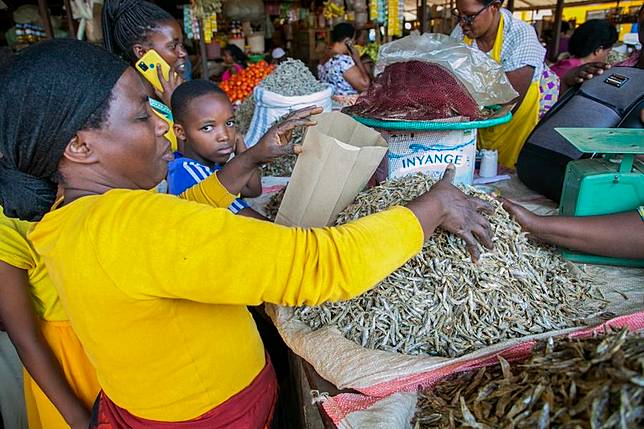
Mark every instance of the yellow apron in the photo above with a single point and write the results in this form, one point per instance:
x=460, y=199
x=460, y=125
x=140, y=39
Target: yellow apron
x=508, y=138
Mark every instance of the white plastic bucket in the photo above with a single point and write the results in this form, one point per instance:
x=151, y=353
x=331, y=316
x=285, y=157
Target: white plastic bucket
x=256, y=43
x=429, y=152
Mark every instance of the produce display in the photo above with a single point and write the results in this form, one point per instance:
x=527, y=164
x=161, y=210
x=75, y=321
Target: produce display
x=441, y=303
x=415, y=91
x=292, y=78
x=241, y=85
x=592, y=383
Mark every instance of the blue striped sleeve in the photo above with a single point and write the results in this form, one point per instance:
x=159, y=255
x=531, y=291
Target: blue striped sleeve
x=184, y=173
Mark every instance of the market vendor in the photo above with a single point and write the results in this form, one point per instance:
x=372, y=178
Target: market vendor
x=157, y=287
x=541, y=166
x=235, y=60
x=344, y=69
x=133, y=27
x=485, y=25
x=591, y=42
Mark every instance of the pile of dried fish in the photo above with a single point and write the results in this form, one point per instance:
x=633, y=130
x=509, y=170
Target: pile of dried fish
x=593, y=383
x=292, y=78
x=281, y=167
x=440, y=303
x=244, y=115
x=273, y=205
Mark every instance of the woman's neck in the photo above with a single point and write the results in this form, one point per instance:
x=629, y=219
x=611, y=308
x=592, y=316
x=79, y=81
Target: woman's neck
x=71, y=194
x=485, y=42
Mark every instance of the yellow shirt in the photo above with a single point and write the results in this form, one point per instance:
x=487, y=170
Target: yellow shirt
x=17, y=250
x=164, y=319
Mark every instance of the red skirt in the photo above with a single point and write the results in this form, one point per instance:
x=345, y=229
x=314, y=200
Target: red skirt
x=252, y=408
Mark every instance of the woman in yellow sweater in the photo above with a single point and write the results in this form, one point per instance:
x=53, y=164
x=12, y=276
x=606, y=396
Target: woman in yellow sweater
x=159, y=303
x=55, y=364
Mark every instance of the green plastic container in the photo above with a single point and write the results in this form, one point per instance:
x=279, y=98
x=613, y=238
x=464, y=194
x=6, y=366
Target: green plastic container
x=255, y=58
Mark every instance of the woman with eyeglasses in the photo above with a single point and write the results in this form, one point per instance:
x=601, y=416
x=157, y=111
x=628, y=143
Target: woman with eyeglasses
x=485, y=25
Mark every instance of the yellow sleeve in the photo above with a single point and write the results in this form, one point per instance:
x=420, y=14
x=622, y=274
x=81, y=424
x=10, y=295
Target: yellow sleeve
x=209, y=191
x=15, y=249
x=180, y=249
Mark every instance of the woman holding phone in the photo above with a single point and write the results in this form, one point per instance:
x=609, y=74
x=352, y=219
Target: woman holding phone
x=344, y=69
x=133, y=27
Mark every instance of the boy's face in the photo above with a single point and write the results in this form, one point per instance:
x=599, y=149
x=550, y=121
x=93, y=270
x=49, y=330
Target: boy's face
x=209, y=127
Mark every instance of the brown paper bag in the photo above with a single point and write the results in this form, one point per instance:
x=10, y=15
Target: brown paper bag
x=339, y=156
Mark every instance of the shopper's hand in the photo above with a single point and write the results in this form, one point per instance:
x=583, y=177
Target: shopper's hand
x=349, y=44
x=276, y=141
x=447, y=206
x=169, y=85
x=524, y=217
x=584, y=72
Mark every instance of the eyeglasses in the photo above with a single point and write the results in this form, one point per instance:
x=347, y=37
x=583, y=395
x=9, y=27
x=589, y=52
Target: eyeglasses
x=469, y=19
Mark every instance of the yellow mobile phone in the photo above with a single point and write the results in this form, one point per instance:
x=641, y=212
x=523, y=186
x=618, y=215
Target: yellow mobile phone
x=147, y=66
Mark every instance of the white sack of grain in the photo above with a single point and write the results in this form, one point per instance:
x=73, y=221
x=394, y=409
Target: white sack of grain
x=269, y=107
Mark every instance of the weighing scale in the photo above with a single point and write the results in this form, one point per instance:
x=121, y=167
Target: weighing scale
x=610, y=184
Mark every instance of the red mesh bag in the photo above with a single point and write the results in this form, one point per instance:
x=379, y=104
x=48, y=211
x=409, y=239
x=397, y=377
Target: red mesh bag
x=415, y=91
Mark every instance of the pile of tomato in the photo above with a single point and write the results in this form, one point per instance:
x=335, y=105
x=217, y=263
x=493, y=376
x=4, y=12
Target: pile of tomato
x=242, y=84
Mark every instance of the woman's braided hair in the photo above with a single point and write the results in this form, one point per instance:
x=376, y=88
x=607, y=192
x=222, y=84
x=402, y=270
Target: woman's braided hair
x=127, y=22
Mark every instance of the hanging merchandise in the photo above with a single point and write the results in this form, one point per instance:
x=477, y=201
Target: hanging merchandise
x=382, y=11
x=332, y=10
x=395, y=10
x=190, y=25
x=205, y=10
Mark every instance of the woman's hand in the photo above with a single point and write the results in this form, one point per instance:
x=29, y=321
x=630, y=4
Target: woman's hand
x=581, y=74
x=349, y=44
x=525, y=218
x=169, y=85
x=447, y=206
x=275, y=142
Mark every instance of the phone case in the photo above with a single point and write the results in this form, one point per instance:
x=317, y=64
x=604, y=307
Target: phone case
x=147, y=66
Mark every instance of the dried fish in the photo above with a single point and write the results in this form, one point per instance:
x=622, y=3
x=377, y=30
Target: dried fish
x=441, y=303
x=292, y=78
x=244, y=115
x=599, y=370
x=283, y=166
x=273, y=205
